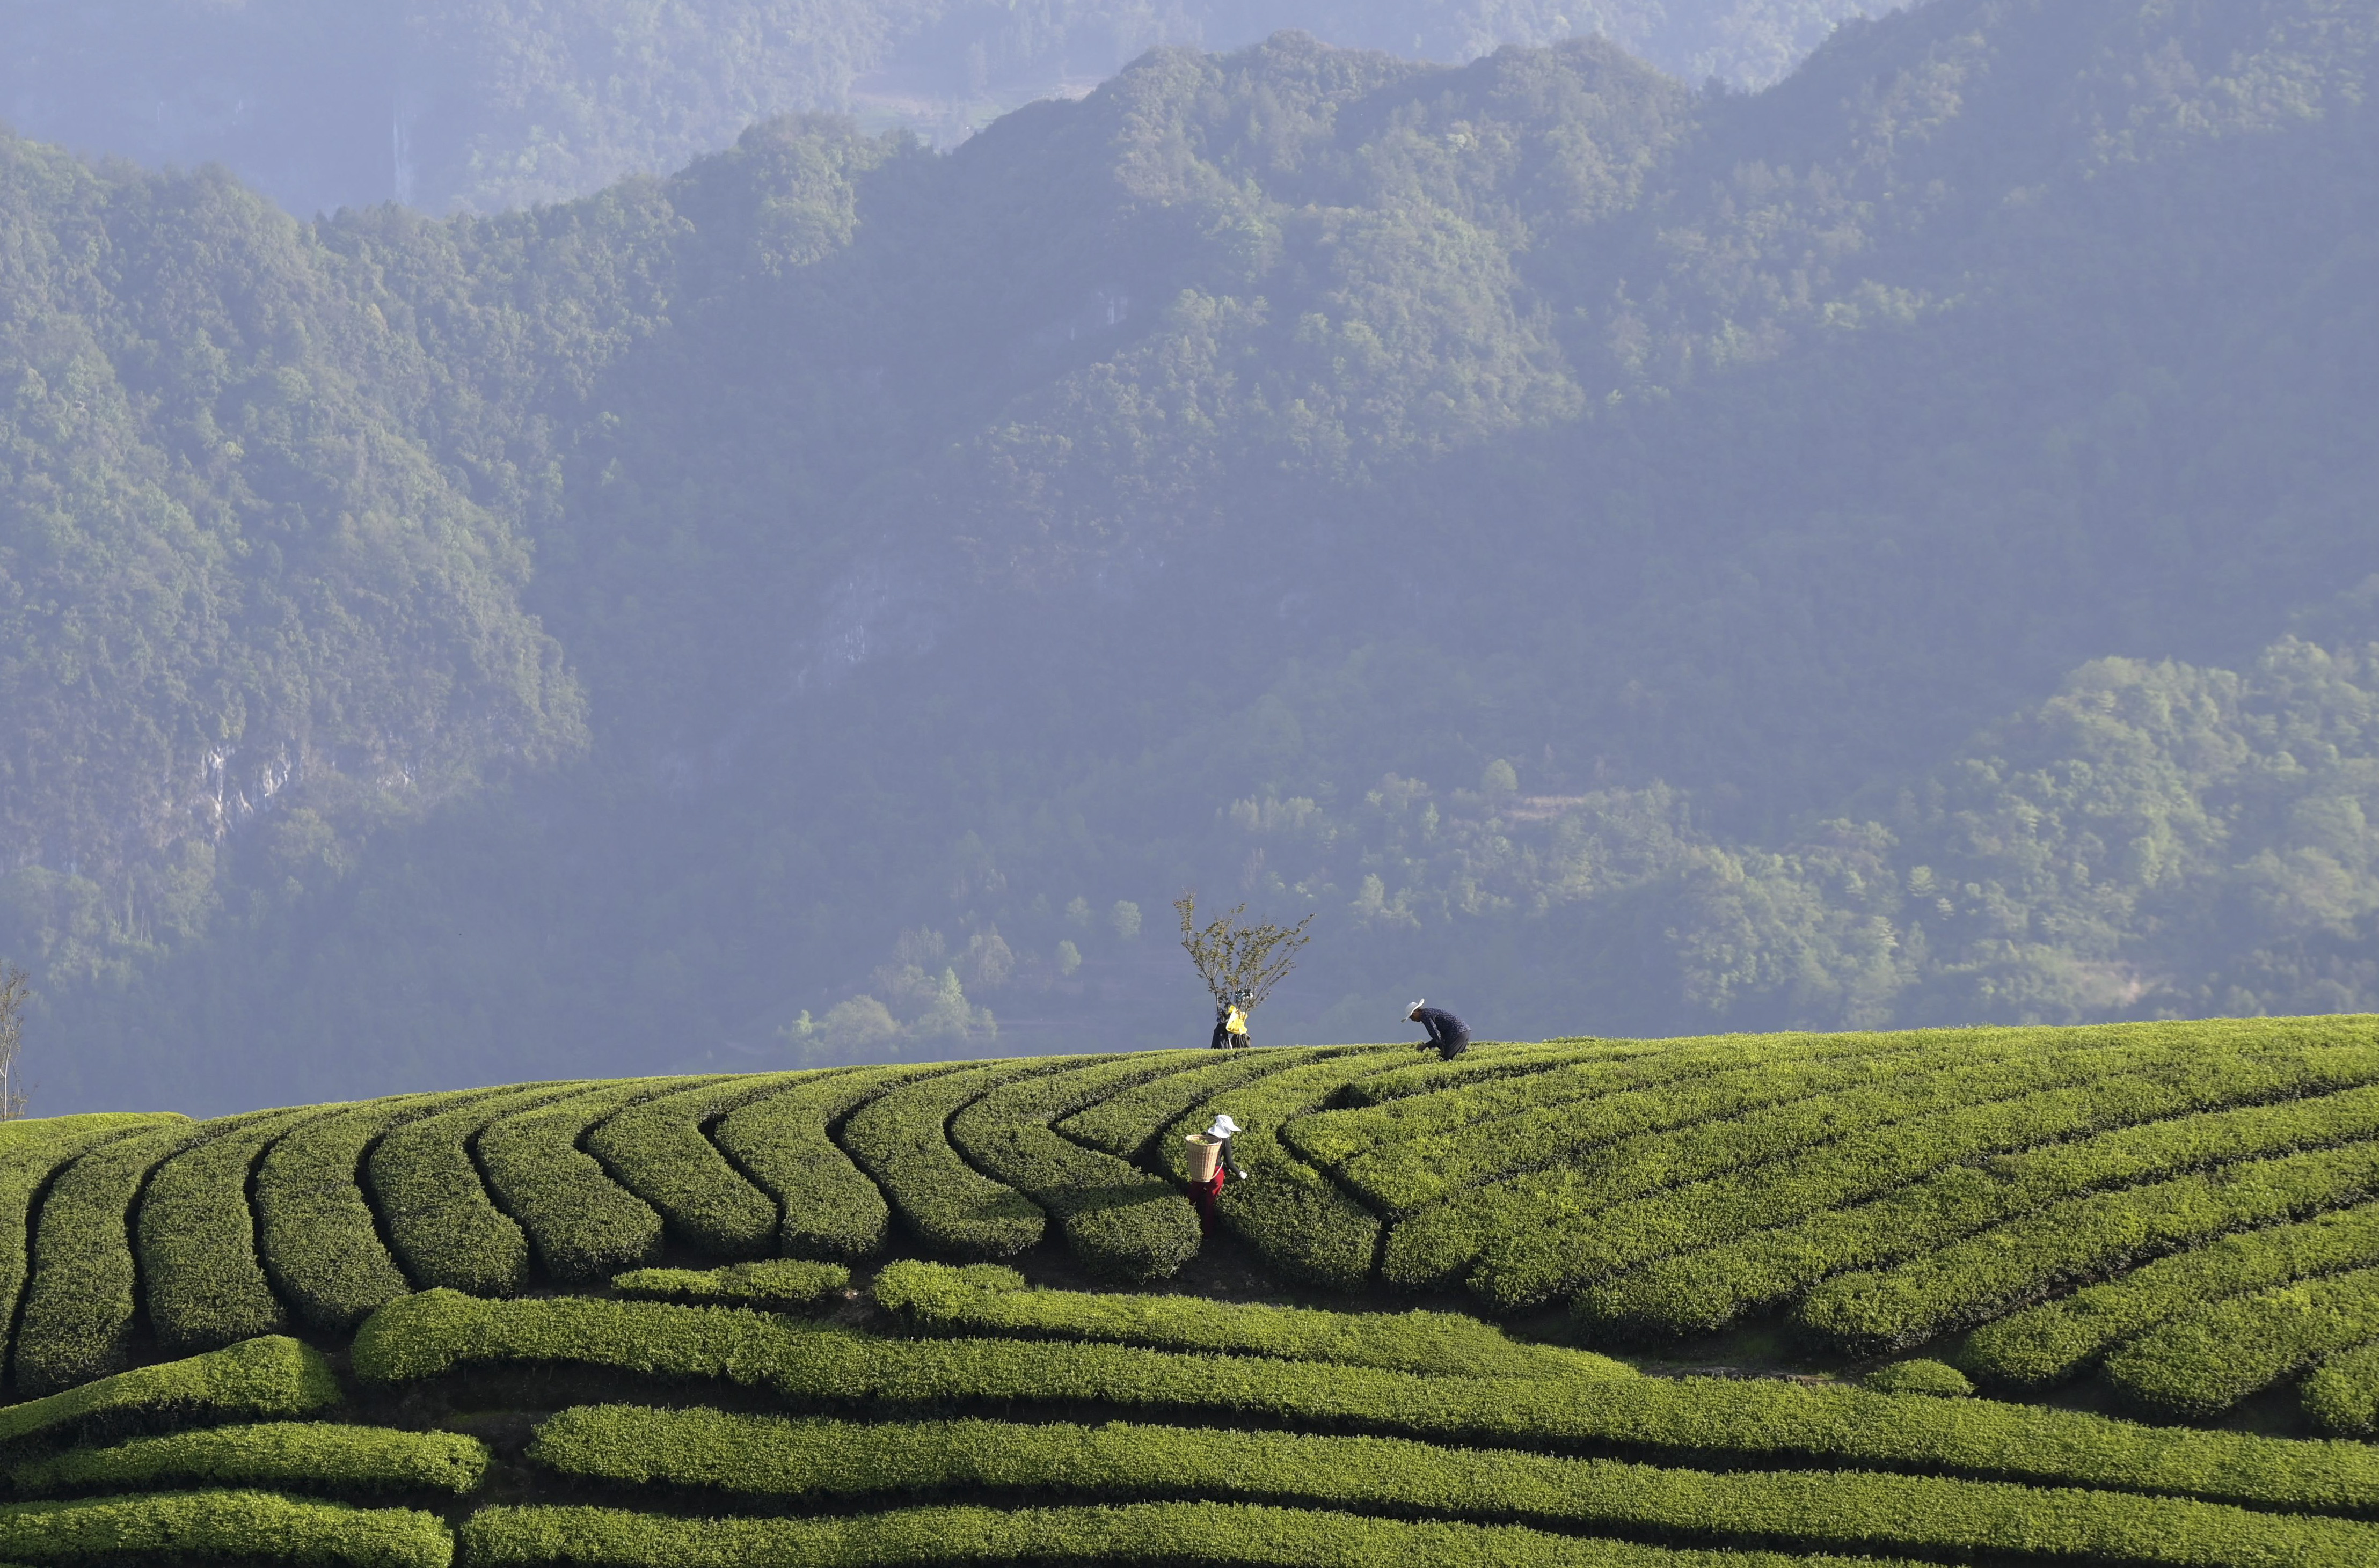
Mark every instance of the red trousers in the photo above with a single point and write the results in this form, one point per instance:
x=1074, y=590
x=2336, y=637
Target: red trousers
x=1204, y=1195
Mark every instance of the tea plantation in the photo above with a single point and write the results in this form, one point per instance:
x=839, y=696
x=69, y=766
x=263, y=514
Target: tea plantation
x=1993, y=1297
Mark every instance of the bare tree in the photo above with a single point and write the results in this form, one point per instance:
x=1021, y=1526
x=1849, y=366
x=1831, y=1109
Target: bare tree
x=14, y=989
x=1239, y=963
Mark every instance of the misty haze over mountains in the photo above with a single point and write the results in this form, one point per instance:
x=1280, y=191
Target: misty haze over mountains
x=1890, y=548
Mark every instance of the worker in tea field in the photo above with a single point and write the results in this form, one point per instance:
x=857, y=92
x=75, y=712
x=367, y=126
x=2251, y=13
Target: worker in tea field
x=1230, y=1022
x=1448, y=1033
x=1227, y=1168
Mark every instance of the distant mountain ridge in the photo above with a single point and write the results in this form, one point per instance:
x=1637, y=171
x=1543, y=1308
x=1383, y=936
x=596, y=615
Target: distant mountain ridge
x=1881, y=550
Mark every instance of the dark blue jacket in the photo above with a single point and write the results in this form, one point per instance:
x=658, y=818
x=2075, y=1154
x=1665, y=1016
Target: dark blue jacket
x=1446, y=1032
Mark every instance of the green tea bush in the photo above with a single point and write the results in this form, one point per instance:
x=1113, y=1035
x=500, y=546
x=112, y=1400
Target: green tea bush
x=2200, y=1364
x=1936, y=1378
x=783, y=1142
x=248, y=1526
x=1978, y=1278
x=77, y=1322
x=1427, y=1073
x=321, y=1244
x=1882, y=1139
x=1406, y=1154
x=31, y=1152
x=953, y=1301
x=1219, y=1532
x=2342, y=1396
x=427, y=1192
x=319, y=1455
x=1702, y=1419
x=1127, y=1123
x=769, y=1455
x=657, y=1150
x=1115, y=1216
x=273, y=1376
x=582, y=1225
x=2058, y=1340
x=202, y=1282
x=1704, y=1290
x=902, y=1140
x=1291, y=1213
x=776, y=1282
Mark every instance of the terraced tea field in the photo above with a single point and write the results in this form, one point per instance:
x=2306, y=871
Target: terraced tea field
x=2103, y=1296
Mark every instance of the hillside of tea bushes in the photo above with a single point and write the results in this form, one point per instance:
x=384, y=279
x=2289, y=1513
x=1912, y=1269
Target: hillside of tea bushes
x=2104, y=1296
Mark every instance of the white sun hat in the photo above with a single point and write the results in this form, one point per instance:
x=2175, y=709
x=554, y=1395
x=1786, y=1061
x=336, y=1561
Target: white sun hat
x=1223, y=1127
x=1416, y=1007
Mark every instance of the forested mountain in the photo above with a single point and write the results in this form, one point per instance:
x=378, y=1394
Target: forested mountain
x=489, y=105
x=1629, y=557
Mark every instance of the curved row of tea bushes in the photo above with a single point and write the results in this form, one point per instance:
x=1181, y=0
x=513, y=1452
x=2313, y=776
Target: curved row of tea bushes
x=316, y=1455
x=2002, y=1108
x=1128, y=1123
x=1708, y=1289
x=273, y=1378
x=2057, y=1340
x=1980, y=1277
x=658, y=1151
x=784, y=1143
x=772, y=1282
x=1428, y=1073
x=2202, y=1363
x=902, y=1139
x=1115, y=1216
x=1188, y=1533
x=202, y=1281
x=1299, y=1219
x=583, y=1226
x=1823, y=1510
x=1405, y=1154
x=32, y=1152
x=1696, y=1420
x=320, y=1242
x=427, y=1192
x=984, y=1298
x=76, y=1321
x=246, y=1527
x=2342, y=1396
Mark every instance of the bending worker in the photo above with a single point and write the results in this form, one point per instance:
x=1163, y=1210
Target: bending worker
x=1448, y=1033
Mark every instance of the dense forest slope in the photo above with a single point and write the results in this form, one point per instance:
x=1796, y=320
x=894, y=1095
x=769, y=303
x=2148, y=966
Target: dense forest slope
x=486, y=106
x=1882, y=549
x=913, y=1314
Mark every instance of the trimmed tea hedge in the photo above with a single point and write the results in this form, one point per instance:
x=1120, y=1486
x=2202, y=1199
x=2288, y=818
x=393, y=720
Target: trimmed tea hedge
x=584, y=1226
x=2342, y=1396
x=1115, y=1216
x=263, y=1377
x=902, y=1140
x=79, y=1305
x=318, y=1455
x=778, y=1282
x=1978, y=1278
x=426, y=1335
x=1702, y=1291
x=1484, y=1063
x=657, y=1150
x=31, y=1152
x=1293, y=1213
x=2057, y=1340
x=1127, y=1123
x=1406, y=1153
x=1216, y=1533
x=1892, y=1137
x=784, y=1143
x=248, y=1526
x=321, y=1243
x=2203, y=1363
x=987, y=1298
x=427, y=1191
x=201, y=1282
x=773, y=1456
